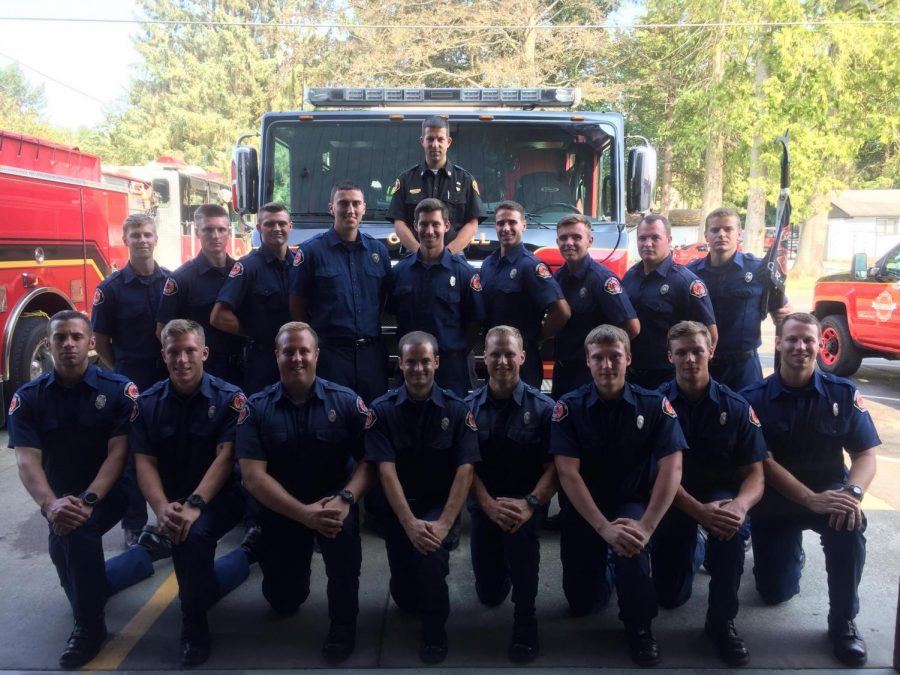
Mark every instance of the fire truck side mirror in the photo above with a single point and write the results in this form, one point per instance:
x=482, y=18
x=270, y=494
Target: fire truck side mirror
x=244, y=179
x=641, y=179
x=860, y=266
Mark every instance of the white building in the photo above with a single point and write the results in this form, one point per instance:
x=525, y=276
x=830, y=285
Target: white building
x=863, y=221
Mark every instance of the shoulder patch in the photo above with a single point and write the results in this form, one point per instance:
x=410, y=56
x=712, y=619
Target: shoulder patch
x=668, y=409
x=171, y=287
x=470, y=421
x=238, y=402
x=560, y=412
x=542, y=271
x=298, y=257
x=361, y=407
x=475, y=187
x=394, y=188
x=698, y=289
x=371, y=418
x=612, y=286
x=754, y=420
x=135, y=412
x=14, y=404
x=858, y=401
x=475, y=283
x=236, y=271
x=132, y=392
x=98, y=297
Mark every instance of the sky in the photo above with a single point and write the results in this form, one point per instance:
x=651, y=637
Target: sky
x=95, y=59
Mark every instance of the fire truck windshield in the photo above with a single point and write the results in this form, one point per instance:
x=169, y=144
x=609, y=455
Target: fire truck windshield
x=551, y=167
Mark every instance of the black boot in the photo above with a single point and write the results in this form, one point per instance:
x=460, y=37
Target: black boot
x=195, y=642
x=849, y=647
x=642, y=645
x=729, y=645
x=83, y=645
x=524, y=646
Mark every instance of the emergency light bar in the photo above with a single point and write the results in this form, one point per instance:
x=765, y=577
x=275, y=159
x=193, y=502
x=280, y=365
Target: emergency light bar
x=509, y=98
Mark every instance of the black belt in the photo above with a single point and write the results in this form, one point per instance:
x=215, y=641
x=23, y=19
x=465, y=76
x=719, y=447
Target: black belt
x=733, y=357
x=350, y=343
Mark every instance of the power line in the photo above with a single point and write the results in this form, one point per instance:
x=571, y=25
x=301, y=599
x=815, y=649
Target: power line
x=466, y=27
x=53, y=79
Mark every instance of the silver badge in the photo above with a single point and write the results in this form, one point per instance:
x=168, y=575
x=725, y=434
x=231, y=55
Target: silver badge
x=723, y=418
x=835, y=409
x=376, y=258
x=453, y=281
x=640, y=421
x=527, y=418
x=100, y=401
x=664, y=289
x=445, y=423
x=332, y=415
x=513, y=272
x=211, y=412
x=748, y=277
x=582, y=292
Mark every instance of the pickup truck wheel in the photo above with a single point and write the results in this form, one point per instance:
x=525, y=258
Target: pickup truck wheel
x=838, y=354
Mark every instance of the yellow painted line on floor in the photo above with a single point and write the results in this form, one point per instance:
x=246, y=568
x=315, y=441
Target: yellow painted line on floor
x=871, y=503
x=116, y=650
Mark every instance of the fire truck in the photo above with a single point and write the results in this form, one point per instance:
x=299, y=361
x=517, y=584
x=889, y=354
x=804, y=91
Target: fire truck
x=522, y=144
x=176, y=190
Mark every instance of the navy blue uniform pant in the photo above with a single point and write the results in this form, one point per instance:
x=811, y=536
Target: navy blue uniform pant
x=503, y=560
x=261, y=369
x=673, y=550
x=586, y=576
x=418, y=582
x=737, y=374
x=364, y=370
x=777, y=543
x=135, y=515
x=285, y=554
x=86, y=578
x=202, y=581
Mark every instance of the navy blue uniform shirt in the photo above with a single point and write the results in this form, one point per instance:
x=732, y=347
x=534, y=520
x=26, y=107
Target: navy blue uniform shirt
x=441, y=299
x=344, y=284
x=125, y=308
x=518, y=288
x=190, y=293
x=183, y=432
x=669, y=294
x=722, y=433
x=596, y=297
x=452, y=184
x=807, y=429
x=71, y=426
x=427, y=440
x=736, y=291
x=308, y=447
x=513, y=439
x=618, y=442
x=256, y=290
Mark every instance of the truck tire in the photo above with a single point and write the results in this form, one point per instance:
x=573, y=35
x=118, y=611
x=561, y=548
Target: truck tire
x=838, y=354
x=30, y=354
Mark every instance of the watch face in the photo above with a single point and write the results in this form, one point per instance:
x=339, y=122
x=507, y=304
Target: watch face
x=89, y=498
x=196, y=501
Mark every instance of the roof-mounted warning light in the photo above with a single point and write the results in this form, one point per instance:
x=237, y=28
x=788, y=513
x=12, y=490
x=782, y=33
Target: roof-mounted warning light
x=344, y=97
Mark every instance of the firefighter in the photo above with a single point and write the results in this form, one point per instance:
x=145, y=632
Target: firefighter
x=191, y=291
x=595, y=297
x=439, y=179
x=514, y=479
x=809, y=418
x=338, y=285
x=69, y=429
x=183, y=439
x=520, y=291
x=722, y=478
x=663, y=293
x=253, y=301
x=438, y=293
x=425, y=443
x=124, y=322
x=609, y=438
x=737, y=283
x=296, y=447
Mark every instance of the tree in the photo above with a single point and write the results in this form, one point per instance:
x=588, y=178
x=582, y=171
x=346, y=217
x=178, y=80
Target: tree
x=21, y=103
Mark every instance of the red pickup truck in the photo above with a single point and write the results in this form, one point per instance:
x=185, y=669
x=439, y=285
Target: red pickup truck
x=860, y=313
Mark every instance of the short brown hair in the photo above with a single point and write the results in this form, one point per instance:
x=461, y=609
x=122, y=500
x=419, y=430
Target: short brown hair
x=574, y=219
x=510, y=205
x=179, y=327
x=137, y=220
x=70, y=315
x=722, y=212
x=430, y=205
x=799, y=317
x=297, y=327
x=684, y=329
x=505, y=331
x=605, y=334
x=657, y=218
x=417, y=337
x=209, y=211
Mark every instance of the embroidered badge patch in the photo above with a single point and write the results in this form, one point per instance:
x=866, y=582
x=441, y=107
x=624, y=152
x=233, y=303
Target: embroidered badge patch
x=698, y=289
x=14, y=404
x=236, y=270
x=543, y=271
x=171, y=288
x=98, y=297
x=858, y=402
x=470, y=422
x=298, y=257
x=754, y=420
x=612, y=286
x=132, y=392
x=560, y=411
x=475, y=283
x=668, y=409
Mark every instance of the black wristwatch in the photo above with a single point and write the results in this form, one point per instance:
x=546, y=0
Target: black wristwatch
x=196, y=501
x=347, y=496
x=533, y=502
x=856, y=491
x=89, y=498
